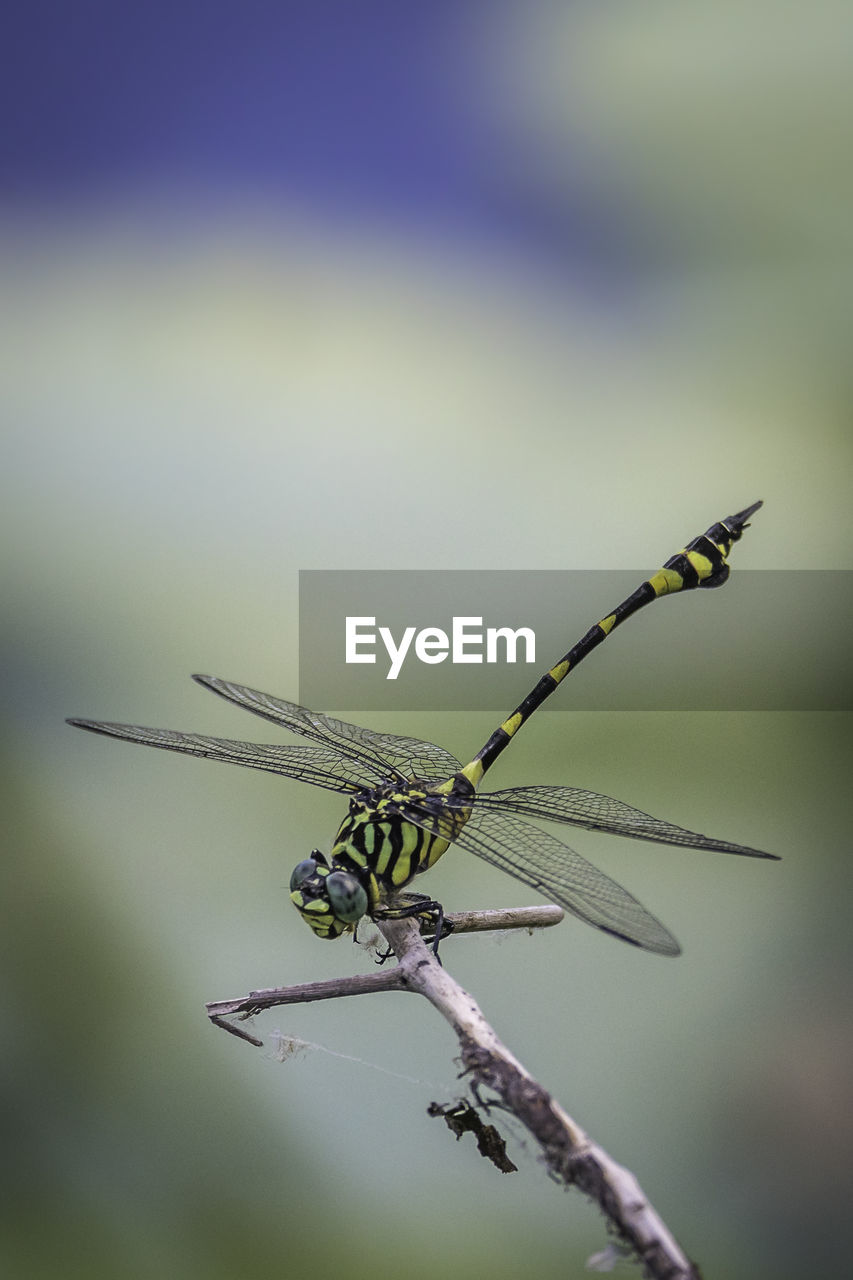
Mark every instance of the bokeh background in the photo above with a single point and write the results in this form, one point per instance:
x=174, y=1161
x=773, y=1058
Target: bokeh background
x=410, y=286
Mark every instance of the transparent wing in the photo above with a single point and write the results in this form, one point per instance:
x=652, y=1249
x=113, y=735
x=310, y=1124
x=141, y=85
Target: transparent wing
x=321, y=767
x=553, y=869
x=602, y=813
x=385, y=753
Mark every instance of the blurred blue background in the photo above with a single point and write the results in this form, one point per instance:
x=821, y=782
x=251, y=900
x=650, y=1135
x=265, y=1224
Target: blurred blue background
x=456, y=285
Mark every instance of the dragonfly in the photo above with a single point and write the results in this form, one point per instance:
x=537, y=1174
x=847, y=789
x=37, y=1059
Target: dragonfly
x=410, y=800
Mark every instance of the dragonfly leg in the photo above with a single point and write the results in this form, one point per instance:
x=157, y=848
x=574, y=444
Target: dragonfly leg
x=418, y=904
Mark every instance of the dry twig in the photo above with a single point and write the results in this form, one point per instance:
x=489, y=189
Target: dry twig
x=571, y=1156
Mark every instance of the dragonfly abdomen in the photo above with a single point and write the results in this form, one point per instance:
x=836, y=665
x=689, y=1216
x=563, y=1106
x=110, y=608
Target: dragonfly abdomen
x=702, y=563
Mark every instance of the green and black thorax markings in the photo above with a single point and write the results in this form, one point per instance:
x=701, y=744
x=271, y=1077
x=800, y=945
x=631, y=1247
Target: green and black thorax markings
x=410, y=800
x=376, y=836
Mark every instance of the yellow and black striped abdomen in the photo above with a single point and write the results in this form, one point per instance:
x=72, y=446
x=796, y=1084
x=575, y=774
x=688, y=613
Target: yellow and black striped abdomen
x=702, y=563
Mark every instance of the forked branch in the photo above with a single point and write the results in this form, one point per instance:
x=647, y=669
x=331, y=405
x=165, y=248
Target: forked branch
x=571, y=1156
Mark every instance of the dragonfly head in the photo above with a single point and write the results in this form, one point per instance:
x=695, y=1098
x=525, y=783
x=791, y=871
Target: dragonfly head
x=330, y=899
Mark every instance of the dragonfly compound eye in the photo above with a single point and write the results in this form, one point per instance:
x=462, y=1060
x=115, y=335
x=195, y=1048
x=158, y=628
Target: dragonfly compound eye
x=302, y=871
x=347, y=896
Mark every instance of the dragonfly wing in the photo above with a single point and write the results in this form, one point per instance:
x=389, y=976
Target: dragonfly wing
x=546, y=864
x=321, y=768
x=384, y=752
x=596, y=812
x=414, y=757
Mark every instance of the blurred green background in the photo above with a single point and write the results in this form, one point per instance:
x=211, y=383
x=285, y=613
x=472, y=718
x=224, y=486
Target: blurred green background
x=444, y=286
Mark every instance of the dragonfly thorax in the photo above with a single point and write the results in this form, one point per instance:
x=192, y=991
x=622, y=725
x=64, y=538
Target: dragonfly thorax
x=395, y=831
x=392, y=833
